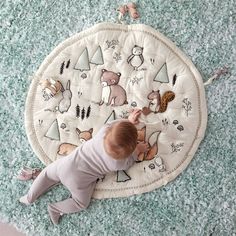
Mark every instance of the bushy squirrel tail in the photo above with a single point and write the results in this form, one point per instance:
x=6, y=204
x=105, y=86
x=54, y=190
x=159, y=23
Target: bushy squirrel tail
x=167, y=97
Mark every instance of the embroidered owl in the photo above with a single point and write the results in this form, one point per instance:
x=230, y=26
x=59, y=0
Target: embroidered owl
x=136, y=58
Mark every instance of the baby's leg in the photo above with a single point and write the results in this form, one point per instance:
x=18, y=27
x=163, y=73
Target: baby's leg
x=47, y=178
x=80, y=200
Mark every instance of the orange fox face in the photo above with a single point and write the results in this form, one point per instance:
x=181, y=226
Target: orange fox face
x=66, y=148
x=84, y=135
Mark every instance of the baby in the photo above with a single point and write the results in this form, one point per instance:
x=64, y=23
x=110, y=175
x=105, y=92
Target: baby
x=113, y=148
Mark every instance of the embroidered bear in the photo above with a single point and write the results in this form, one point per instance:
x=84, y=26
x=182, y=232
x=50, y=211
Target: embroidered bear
x=112, y=93
x=136, y=58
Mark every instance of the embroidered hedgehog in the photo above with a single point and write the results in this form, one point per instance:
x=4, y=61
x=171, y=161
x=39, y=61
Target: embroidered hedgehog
x=112, y=93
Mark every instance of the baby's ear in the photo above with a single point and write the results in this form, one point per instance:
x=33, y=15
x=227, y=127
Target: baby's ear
x=103, y=70
x=119, y=74
x=91, y=131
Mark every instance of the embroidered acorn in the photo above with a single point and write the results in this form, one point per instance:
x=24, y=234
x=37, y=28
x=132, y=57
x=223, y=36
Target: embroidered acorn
x=63, y=126
x=180, y=128
x=175, y=122
x=134, y=104
x=83, y=76
x=152, y=166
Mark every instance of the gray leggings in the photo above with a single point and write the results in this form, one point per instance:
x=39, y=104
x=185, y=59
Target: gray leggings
x=61, y=171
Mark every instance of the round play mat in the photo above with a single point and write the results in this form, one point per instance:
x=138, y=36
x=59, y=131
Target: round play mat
x=99, y=75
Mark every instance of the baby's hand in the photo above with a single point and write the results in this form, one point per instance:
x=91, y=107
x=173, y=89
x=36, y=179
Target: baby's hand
x=141, y=148
x=134, y=116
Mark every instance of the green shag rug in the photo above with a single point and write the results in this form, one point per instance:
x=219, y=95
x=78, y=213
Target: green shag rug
x=202, y=200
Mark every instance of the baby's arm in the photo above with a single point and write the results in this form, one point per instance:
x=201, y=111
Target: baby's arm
x=141, y=147
x=133, y=117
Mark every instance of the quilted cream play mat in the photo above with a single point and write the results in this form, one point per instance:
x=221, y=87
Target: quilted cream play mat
x=99, y=75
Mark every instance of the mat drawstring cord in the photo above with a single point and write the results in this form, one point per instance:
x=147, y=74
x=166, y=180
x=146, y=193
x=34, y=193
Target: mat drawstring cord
x=217, y=74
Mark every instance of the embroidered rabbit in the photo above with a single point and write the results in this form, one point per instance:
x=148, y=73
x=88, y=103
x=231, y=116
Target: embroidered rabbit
x=65, y=102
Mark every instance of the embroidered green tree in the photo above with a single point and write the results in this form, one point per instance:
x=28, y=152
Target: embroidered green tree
x=122, y=176
x=97, y=58
x=162, y=75
x=83, y=61
x=111, y=117
x=53, y=131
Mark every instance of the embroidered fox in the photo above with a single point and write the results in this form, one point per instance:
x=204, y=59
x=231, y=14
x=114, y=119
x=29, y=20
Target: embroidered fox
x=152, y=142
x=66, y=148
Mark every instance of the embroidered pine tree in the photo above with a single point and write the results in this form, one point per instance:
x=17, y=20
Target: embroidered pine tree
x=174, y=79
x=83, y=113
x=111, y=117
x=97, y=58
x=122, y=176
x=68, y=64
x=77, y=110
x=62, y=67
x=83, y=61
x=88, y=112
x=162, y=75
x=53, y=131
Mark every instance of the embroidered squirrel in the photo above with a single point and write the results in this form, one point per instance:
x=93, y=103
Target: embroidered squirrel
x=158, y=103
x=112, y=93
x=136, y=58
x=66, y=148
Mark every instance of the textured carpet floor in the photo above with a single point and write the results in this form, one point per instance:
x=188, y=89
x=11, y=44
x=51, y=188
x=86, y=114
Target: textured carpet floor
x=201, y=201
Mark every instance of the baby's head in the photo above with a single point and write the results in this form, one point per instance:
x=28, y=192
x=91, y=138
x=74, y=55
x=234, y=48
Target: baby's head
x=121, y=139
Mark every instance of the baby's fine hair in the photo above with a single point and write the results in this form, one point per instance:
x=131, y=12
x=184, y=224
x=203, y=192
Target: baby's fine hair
x=123, y=138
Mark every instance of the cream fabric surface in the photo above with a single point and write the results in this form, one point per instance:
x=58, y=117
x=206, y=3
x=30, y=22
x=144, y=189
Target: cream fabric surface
x=136, y=61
